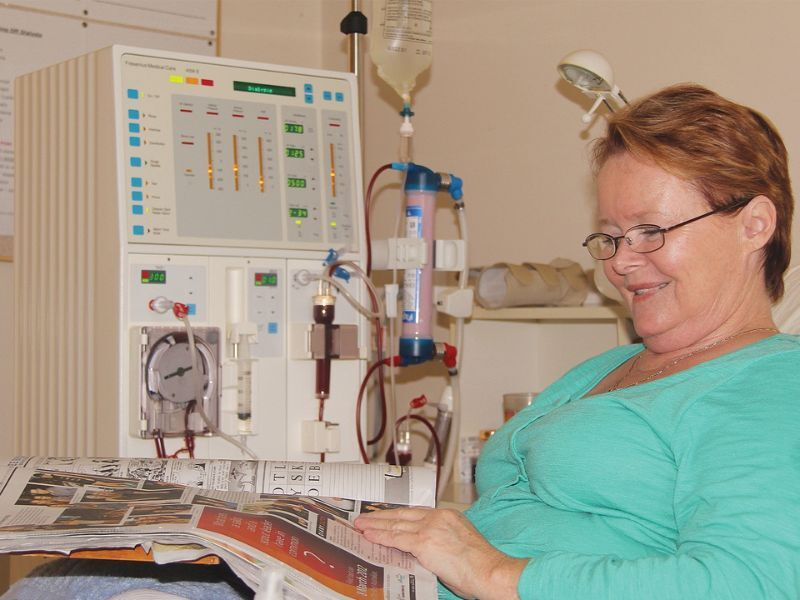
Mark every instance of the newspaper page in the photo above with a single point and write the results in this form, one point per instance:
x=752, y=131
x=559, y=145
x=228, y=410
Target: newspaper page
x=374, y=482
x=309, y=539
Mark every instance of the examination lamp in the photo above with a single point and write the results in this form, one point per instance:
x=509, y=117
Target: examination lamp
x=591, y=73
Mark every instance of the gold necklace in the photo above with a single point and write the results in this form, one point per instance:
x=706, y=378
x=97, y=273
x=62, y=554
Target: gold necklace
x=681, y=358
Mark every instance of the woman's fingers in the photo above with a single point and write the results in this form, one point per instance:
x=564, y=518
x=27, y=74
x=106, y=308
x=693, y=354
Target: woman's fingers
x=406, y=514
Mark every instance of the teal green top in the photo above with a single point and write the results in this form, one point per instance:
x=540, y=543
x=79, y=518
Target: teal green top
x=679, y=488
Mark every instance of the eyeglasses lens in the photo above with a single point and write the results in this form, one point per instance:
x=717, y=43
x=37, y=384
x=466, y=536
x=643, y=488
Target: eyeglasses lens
x=601, y=246
x=645, y=238
x=641, y=239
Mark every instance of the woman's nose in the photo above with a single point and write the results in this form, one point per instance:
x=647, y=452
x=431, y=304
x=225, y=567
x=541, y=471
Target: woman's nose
x=625, y=259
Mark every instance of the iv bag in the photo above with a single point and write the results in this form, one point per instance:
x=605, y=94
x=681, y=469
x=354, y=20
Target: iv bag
x=401, y=42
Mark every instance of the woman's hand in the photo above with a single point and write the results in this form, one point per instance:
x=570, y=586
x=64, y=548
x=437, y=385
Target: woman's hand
x=447, y=544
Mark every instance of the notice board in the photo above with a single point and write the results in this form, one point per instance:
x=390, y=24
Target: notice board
x=38, y=33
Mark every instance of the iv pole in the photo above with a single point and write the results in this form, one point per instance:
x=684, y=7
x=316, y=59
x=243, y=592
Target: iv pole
x=354, y=25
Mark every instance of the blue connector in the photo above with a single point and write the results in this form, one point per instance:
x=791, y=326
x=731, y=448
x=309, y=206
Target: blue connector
x=421, y=178
x=406, y=112
x=339, y=272
x=456, y=188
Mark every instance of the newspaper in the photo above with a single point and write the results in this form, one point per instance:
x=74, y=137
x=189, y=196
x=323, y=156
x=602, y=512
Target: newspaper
x=185, y=509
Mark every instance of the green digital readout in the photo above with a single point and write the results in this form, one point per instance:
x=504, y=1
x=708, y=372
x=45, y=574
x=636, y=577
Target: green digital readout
x=298, y=213
x=296, y=182
x=293, y=128
x=263, y=88
x=150, y=276
x=295, y=153
x=266, y=279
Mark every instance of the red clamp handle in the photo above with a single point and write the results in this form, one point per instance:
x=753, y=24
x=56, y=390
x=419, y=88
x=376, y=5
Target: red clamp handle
x=180, y=310
x=450, y=356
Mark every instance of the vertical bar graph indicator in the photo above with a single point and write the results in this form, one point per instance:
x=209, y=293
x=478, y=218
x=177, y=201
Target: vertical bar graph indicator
x=235, y=163
x=210, y=161
x=260, y=164
x=333, y=173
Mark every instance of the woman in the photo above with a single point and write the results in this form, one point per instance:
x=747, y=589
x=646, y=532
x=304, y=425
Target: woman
x=668, y=469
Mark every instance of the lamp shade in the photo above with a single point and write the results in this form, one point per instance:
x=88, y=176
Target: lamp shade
x=588, y=71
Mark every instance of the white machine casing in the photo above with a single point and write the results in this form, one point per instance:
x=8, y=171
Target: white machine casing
x=210, y=182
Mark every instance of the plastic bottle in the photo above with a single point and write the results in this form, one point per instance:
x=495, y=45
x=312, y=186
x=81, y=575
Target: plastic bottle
x=401, y=42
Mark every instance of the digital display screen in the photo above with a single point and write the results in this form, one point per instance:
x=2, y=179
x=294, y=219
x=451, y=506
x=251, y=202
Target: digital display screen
x=266, y=279
x=295, y=153
x=296, y=182
x=263, y=88
x=293, y=128
x=150, y=276
x=298, y=213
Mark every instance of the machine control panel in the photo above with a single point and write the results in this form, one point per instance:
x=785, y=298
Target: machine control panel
x=226, y=155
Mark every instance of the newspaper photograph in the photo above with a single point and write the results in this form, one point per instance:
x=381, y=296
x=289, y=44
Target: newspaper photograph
x=309, y=539
x=374, y=482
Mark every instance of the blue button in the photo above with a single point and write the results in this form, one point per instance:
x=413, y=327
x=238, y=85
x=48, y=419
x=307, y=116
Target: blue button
x=133, y=94
x=137, y=209
x=136, y=196
x=272, y=327
x=340, y=96
x=308, y=88
x=136, y=161
x=138, y=230
x=326, y=95
x=192, y=309
x=309, y=99
x=133, y=113
x=133, y=127
x=136, y=182
x=135, y=141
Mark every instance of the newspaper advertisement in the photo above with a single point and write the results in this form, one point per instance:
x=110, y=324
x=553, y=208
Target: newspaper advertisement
x=309, y=539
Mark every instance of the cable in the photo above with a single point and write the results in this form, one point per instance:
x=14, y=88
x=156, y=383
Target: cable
x=198, y=382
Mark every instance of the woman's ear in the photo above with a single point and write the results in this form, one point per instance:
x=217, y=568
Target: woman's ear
x=758, y=219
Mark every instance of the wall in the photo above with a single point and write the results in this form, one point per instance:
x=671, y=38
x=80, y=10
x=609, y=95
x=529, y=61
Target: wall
x=493, y=110
x=6, y=356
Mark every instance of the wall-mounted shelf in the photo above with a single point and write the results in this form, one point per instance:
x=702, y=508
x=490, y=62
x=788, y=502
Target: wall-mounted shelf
x=616, y=313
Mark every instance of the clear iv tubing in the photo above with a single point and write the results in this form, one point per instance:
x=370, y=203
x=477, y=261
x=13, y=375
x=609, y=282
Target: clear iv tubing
x=379, y=314
x=388, y=413
x=198, y=394
x=455, y=380
x=367, y=203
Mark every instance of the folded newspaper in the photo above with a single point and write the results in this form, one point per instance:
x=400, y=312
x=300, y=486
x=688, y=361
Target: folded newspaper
x=290, y=519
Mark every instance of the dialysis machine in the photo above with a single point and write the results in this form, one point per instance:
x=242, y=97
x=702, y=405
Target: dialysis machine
x=147, y=178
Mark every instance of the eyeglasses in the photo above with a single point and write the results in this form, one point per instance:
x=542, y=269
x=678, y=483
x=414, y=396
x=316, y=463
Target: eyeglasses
x=644, y=238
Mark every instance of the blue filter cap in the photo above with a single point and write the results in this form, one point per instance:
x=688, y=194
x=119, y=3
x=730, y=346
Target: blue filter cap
x=416, y=350
x=421, y=179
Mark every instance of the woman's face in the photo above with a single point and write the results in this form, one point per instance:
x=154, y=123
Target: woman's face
x=692, y=288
